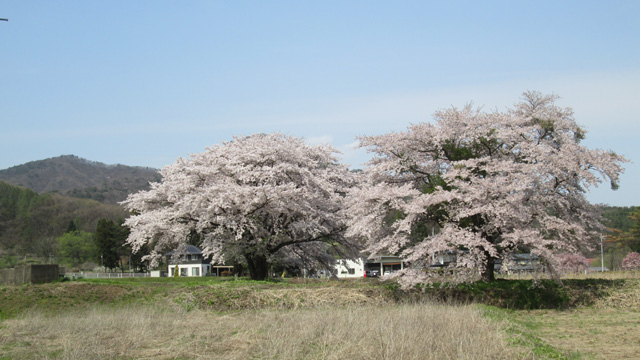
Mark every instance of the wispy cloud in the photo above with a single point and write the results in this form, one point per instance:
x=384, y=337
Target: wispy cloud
x=319, y=140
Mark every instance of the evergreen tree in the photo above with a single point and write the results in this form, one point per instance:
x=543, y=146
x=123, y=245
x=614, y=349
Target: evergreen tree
x=108, y=243
x=71, y=227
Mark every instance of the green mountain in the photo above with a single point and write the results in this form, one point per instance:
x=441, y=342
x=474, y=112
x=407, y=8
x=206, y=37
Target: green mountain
x=73, y=176
x=30, y=222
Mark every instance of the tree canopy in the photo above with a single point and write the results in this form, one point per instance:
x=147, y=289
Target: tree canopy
x=266, y=197
x=31, y=222
x=111, y=244
x=631, y=261
x=487, y=184
x=76, y=247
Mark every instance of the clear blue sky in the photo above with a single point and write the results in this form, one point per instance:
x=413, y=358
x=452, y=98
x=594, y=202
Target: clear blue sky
x=144, y=82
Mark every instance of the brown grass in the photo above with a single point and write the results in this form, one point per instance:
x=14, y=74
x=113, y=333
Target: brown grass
x=608, y=275
x=285, y=298
x=419, y=331
x=624, y=296
x=595, y=333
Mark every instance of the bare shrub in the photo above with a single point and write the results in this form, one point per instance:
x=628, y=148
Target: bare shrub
x=418, y=331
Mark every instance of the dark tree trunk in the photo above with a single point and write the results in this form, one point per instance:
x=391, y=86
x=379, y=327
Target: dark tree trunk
x=487, y=273
x=238, y=269
x=258, y=266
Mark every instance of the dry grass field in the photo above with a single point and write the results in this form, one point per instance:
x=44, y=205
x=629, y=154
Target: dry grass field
x=607, y=329
x=419, y=331
x=586, y=318
x=610, y=333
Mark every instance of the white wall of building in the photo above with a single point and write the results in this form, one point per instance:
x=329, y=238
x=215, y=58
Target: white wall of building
x=350, y=268
x=190, y=270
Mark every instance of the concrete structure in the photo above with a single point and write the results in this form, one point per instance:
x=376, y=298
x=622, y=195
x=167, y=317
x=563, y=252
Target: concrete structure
x=30, y=274
x=157, y=273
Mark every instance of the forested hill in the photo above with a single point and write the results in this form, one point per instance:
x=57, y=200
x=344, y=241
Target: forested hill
x=30, y=223
x=73, y=176
x=617, y=217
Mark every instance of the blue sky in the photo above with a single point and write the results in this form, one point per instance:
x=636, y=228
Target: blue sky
x=144, y=82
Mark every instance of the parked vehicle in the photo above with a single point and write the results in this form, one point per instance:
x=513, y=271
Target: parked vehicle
x=372, y=273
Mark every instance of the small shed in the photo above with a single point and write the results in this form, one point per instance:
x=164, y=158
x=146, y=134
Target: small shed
x=385, y=265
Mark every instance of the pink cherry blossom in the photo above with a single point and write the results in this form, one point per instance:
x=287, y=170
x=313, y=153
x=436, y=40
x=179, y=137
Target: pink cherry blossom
x=257, y=199
x=572, y=263
x=481, y=184
x=631, y=261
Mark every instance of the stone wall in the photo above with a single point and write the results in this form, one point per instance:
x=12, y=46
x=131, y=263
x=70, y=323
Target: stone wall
x=7, y=276
x=29, y=274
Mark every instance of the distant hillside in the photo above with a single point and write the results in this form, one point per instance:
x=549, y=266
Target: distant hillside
x=617, y=217
x=73, y=176
x=30, y=223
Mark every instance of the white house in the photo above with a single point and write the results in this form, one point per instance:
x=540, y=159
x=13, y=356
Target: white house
x=376, y=266
x=189, y=262
x=350, y=268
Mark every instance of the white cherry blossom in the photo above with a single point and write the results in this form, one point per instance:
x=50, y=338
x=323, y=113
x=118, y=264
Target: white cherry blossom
x=483, y=185
x=262, y=197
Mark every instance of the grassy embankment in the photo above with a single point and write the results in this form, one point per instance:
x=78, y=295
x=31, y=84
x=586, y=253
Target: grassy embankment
x=599, y=320
x=211, y=318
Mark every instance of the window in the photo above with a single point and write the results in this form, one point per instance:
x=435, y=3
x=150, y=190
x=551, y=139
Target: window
x=352, y=271
x=183, y=272
x=195, y=271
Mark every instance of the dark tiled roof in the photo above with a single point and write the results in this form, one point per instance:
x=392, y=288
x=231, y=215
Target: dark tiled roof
x=190, y=249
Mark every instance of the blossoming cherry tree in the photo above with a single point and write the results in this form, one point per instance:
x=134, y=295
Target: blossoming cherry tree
x=263, y=198
x=482, y=185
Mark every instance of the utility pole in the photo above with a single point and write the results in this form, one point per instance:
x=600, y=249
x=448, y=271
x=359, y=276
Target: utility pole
x=602, y=257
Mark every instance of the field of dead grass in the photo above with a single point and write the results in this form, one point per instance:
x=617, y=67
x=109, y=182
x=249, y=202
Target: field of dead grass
x=418, y=331
x=602, y=321
x=607, y=275
x=297, y=319
x=602, y=333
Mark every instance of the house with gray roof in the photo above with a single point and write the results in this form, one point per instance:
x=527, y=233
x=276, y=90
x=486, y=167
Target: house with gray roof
x=188, y=261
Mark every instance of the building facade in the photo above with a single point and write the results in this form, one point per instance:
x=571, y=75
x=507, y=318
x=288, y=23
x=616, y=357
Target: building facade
x=189, y=262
